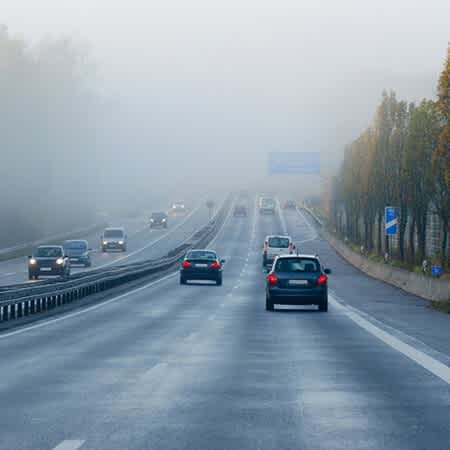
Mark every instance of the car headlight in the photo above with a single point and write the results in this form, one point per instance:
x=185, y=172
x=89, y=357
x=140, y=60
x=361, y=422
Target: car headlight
x=32, y=261
x=60, y=261
x=120, y=242
x=105, y=242
x=151, y=220
x=163, y=220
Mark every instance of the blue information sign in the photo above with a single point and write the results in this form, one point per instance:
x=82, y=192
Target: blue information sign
x=436, y=271
x=390, y=221
x=294, y=163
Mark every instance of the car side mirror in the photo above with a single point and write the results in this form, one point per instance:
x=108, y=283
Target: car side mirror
x=327, y=271
x=267, y=269
x=101, y=237
x=294, y=247
x=89, y=249
x=222, y=261
x=29, y=256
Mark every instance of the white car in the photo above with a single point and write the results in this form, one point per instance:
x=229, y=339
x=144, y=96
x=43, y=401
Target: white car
x=276, y=245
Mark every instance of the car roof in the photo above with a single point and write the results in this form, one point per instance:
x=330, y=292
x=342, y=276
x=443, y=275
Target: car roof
x=202, y=250
x=75, y=240
x=297, y=256
x=115, y=228
x=50, y=246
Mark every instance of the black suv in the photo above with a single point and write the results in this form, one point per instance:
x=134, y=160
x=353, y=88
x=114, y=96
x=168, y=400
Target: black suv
x=48, y=260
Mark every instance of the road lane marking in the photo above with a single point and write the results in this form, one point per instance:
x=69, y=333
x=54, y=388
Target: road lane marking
x=422, y=359
x=8, y=274
x=312, y=229
x=69, y=445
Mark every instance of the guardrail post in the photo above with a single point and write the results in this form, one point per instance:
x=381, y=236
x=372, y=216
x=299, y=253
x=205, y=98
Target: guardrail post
x=26, y=308
x=5, y=313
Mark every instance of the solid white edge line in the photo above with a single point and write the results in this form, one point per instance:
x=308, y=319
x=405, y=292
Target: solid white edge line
x=69, y=445
x=422, y=359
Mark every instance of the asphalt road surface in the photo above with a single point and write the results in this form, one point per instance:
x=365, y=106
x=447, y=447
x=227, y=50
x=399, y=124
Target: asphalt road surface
x=143, y=243
x=205, y=367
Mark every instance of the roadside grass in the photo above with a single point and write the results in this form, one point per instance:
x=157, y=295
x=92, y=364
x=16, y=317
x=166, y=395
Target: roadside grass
x=26, y=251
x=443, y=306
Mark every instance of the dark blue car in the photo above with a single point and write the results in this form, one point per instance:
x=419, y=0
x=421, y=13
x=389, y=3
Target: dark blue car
x=78, y=252
x=297, y=280
x=201, y=265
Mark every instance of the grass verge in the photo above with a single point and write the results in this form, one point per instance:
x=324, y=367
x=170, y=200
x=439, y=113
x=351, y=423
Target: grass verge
x=443, y=306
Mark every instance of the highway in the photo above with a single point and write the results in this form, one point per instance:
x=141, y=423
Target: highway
x=165, y=366
x=143, y=243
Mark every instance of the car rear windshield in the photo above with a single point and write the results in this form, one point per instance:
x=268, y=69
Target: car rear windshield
x=200, y=254
x=75, y=245
x=305, y=265
x=113, y=234
x=278, y=242
x=49, y=252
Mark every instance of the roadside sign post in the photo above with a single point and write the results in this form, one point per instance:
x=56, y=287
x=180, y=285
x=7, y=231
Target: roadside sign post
x=436, y=271
x=390, y=225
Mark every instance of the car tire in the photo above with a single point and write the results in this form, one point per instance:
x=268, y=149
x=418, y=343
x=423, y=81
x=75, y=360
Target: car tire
x=269, y=304
x=31, y=276
x=124, y=248
x=182, y=280
x=219, y=281
x=323, y=305
x=103, y=250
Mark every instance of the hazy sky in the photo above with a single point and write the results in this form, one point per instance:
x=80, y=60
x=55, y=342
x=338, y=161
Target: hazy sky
x=242, y=77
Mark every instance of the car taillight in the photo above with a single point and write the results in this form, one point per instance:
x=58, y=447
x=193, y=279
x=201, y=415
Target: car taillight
x=215, y=265
x=266, y=245
x=185, y=264
x=272, y=279
x=322, y=279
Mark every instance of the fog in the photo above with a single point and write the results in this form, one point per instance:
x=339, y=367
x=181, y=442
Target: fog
x=134, y=102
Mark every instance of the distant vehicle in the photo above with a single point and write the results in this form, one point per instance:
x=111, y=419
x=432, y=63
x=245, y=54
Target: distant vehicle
x=178, y=208
x=297, y=280
x=275, y=246
x=114, y=239
x=201, y=265
x=289, y=204
x=158, y=219
x=240, y=211
x=78, y=252
x=266, y=205
x=48, y=260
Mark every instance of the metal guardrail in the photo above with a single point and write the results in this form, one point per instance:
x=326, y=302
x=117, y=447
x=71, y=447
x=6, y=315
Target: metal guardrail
x=313, y=215
x=21, y=301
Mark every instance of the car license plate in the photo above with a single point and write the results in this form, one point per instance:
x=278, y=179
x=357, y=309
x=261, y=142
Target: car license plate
x=298, y=282
x=46, y=269
x=201, y=265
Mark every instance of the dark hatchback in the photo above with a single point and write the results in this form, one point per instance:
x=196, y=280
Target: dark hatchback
x=201, y=265
x=297, y=280
x=48, y=260
x=78, y=252
x=158, y=219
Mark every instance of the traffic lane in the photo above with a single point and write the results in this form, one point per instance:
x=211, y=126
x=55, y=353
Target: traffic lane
x=152, y=243
x=223, y=373
x=405, y=313
x=50, y=372
x=16, y=270
x=139, y=233
x=217, y=371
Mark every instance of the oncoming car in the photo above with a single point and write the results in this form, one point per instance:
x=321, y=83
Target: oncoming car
x=78, y=252
x=297, y=280
x=240, y=211
x=158, y=219
x=274, y=246
x=201, y=265
x=48, y=260
x=178, y=208
x=114, y=239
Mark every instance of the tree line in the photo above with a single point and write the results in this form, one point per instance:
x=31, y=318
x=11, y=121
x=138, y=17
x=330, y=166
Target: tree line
x=402, y=159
